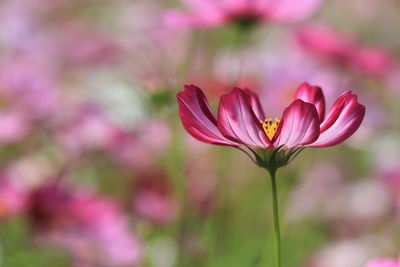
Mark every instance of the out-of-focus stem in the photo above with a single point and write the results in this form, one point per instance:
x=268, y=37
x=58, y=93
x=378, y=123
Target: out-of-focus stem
x=275, y=208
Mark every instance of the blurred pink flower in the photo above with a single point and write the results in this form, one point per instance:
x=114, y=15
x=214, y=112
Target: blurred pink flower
x=392, y=180
x=91, y=227
x=214, y=13
x=202, y=186
x=241, y=119
x=30, y=84
x=13, y=199
x=140, y=147
x=152, y=197
x=383, y=263
x=14, y=126
x=325, y=42
x=18, y=21
x=82, y=45
x=342, y=49
x=89, y=129
x=40, y=6
x=216, y=86
x=372, y=60
x=350, y=252
x=154, y=134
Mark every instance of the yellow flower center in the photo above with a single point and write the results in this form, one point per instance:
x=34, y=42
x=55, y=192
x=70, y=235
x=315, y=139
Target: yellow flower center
x=270, y=126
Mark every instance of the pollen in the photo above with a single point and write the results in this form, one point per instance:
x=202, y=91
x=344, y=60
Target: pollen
x=270, y=126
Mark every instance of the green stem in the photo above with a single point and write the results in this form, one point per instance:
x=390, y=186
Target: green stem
x=276, y=218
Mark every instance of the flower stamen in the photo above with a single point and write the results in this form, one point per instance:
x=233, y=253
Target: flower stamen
x=270, y=126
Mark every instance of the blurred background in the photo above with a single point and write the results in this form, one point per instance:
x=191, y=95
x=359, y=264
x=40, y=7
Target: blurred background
x=96, y=169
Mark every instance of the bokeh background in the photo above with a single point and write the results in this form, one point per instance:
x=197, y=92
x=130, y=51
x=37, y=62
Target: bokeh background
x=96, y=169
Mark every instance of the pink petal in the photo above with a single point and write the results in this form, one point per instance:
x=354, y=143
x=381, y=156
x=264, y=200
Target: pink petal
x=245, y=7
x=197, y=117
x=372, y=61
x=299, y=125
x=343, y=120
x=313, y=95
x=235, y=6
x=383, y=263
x=326, y=42
x=202, y=5
x=256, y=105
x=237, y=120
x=199, y=14
x=292, y=10
x=178, y=19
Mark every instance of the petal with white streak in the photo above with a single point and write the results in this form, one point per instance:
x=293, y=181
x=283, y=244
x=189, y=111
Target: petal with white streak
x=314, y=95
x=299, y=125
x=343, y=120
x=197, y=117
x=238, y=122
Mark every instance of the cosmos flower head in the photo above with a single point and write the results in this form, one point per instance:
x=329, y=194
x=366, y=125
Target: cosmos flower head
x=343, y=50
x=241, y=122
x=244, y=13
x=152, y=197
x=13, y=198
x=91, y=227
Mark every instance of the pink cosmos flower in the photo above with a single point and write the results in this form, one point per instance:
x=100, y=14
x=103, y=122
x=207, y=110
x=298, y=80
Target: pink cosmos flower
x=13, y=198
x=14, y=126
x=91, y=227
x=342, y=49
x=139, y=148
x=89, y=129
x=383, y=263
x=372, y=61
x=153, y=199
x=325, y=42
x=31, y=85
x=241, y=121
x=214, y=13
x=83, y=46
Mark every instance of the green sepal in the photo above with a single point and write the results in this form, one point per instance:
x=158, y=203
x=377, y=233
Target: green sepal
x=272, y=160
